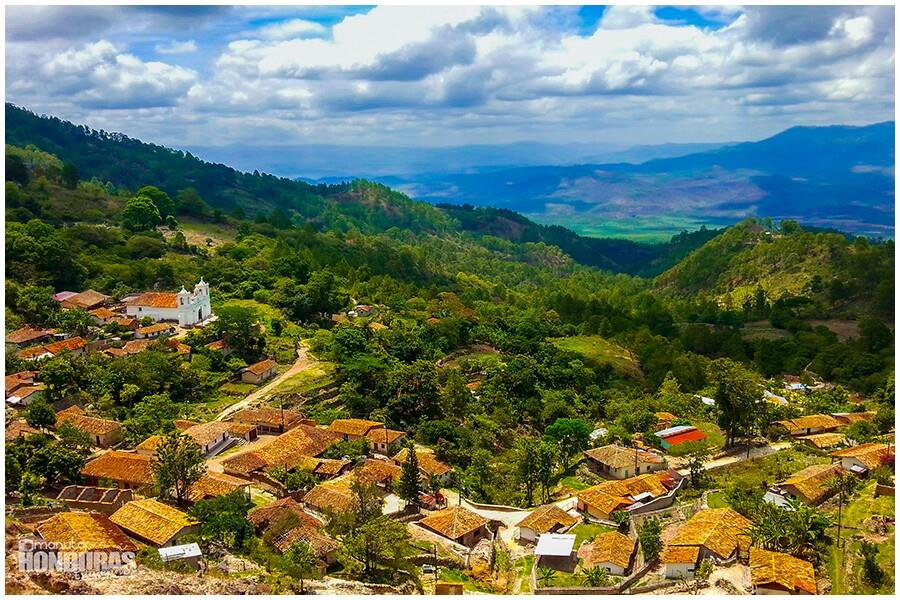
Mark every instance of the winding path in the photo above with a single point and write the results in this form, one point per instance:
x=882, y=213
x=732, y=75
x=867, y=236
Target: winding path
x=303, y=362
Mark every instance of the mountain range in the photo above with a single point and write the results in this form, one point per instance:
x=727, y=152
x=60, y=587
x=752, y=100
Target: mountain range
x=837, y=176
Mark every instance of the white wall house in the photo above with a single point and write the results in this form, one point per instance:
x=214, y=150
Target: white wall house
x=187, y=308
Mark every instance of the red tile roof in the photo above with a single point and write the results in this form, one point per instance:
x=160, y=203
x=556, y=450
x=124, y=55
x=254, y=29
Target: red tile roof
x=688, y=436
x=156, y=300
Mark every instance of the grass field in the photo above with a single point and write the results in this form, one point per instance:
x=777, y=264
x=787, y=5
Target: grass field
x=763, y=330
x=769, y=469
x=600, y=351
x=651, y=230
x=313, y=378
x=716, y=500
x=845, y=567
x=587, y=531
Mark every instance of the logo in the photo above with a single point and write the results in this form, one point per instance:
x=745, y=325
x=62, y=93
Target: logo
x=75, y=557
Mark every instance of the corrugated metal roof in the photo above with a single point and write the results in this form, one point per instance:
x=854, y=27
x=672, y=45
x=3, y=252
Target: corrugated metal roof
x=555, y=544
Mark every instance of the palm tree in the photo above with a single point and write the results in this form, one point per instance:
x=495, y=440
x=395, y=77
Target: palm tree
x=594, y=576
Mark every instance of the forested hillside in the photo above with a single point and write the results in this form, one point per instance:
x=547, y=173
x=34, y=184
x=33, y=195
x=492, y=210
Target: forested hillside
x=369, y=207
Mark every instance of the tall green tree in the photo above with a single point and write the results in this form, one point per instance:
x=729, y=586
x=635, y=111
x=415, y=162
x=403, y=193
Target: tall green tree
x=179, y=463
x=409, y=487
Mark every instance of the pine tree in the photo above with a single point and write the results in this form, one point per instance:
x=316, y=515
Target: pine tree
x=409, y=486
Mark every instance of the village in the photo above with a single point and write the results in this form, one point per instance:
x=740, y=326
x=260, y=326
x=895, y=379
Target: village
x=632, y=520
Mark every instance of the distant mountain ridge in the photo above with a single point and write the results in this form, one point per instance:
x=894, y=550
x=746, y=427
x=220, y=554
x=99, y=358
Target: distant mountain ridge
x=835, y=176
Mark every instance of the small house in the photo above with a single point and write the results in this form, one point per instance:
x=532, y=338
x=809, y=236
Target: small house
x=865, y=457
x=354, y=429
x=429, y=465
x=26, y=336
x=77, y=537
x=611, y=551
x=680, y=434
x=716, y=533
x=216, y=485
x=154, y=523
x=556, y=550
x=619, y=462
x=212, y=437
x=385, y=441
x=103, y=432
x=458, y=524
x=812, y=485
x=809, y=424
x=96, y=499
x=86, y=300
x=151, y=332
x=260, y=372
x=545, y=519
x=268, y=421
x=127, y=470
x=780, y=573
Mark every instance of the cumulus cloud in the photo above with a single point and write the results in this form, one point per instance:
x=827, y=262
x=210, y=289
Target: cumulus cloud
x=97, y=75
x=402, y=72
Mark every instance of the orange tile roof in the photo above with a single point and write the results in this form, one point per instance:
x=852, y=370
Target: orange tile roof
x=206, y=433
x=453, y=522
x=665, y=416
x=428, y=463
x=619, y=457
x=717, y=529
x=287, y=450
x=679, y=555
x=55, y=348
x=782, y=570
x=331, y=466
x=353, y=426
x=136, y=346
x=382, y=435
x=609, y=496
x=810, y=422
x=19, y=379
x=76, y=417
x=260, y=516
x=156, y=300
x=27, y=334
x=25, y=391
x=824, y=440
x=183, y=424
x=152, y=520
x=262, y=366
x=103, y=313
x=78, y=532
x=319, y=542
x=545, y=518
x=214, y=484
x=814, y=482
x=115, y=352
x=217, y=345
x=374, y=471
x=87, y=298
x=155, y=328
x=19, y=428
x=853, y=417
x=611, y=547
x=150, y=444
x=872, y=455
x=335, y=495
x=117, y=465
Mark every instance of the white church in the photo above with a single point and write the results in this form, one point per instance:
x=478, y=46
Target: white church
x=188, y=308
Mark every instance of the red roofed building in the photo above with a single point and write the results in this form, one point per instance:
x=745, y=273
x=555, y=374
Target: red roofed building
x=694, y=435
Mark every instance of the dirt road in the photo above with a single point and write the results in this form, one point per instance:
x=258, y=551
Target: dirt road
x=303, y=362
x=740, y=456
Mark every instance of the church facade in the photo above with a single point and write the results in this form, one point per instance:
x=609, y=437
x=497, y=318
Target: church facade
x=187, y=308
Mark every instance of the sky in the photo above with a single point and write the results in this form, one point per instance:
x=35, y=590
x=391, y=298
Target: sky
x=435, y=76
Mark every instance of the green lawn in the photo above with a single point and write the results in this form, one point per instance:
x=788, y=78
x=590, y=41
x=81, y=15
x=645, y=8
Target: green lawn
x=457, y=576
x=845, y=568
x=237, y=388
x=600, y=351
x=716, y=500
x=587, y=531
x=769, y=469
x=572, y=481
x=523, y=568
x=313, y=378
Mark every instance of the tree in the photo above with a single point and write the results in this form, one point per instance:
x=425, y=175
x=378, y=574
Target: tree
x=737, y=396
x=161, y=200
x=179, y=463
x=73, y=438
x=302, y=562
x=545, y=462
x=57, y=463
x=872, y=571
x=296, y=480
x=16, y=170
x=649, y=536
x=622, y=518
x=70, y=175
x=190, y=203
x=527, y=466
x=39, y=414
x=595, y=576
x=75, y=321
x=381, y=541
x=241, y=327
x=409, y=487
x=140, y=214
x=862, y=431
x=154, y=414
x=224, y=521
x=571, y=436
x=697, y=466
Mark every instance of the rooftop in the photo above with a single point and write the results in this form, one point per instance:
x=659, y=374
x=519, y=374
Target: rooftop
x=810, y=422
x=267, y=416
x=27, y=334
x=620, y=457
x=262, y=366
x=612, y=495
x=873, y=455
x=155, y=300
x=783, y=570
x=555, y=544
x=814, y=482
x=545, y=518
x=825, y=440
x=428, y=462
x=353, y=426
x=454, y=522
x=717, y=529
x=214, y=484
x=84, y=532
x=93, y=425
x=152, y=520
x=118, y=465
x=611, y=547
